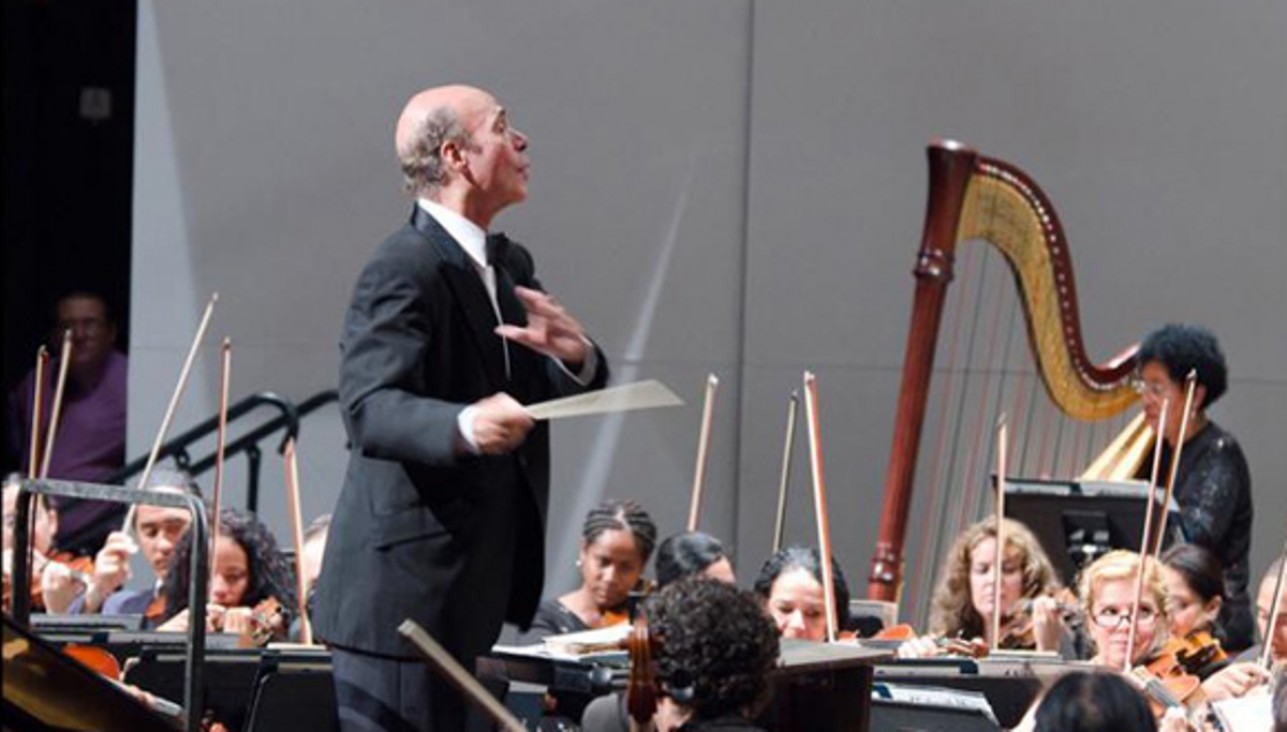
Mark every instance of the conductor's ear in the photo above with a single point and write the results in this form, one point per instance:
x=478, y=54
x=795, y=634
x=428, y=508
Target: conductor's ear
x=452, y=153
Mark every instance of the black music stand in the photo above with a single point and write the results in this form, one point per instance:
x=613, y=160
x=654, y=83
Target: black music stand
x=816, y=686
x=229, y=678
x=43, y=689
x=199, y=563
x=1078, y=521
x=294, y=690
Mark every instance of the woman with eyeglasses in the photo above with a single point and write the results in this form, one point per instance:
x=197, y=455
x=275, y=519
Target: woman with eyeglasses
x=1107, y=591
x=1107, y=588
x=1213, y=485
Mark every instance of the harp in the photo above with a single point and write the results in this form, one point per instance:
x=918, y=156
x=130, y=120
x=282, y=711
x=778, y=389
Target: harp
x=973, y=197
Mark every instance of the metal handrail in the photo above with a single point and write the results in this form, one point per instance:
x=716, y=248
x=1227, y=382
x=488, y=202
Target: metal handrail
x=177, y=447
x=249, y=442
x=288, y=420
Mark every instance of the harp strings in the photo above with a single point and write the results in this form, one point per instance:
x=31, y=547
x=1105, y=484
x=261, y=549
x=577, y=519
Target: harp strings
x=986, y=366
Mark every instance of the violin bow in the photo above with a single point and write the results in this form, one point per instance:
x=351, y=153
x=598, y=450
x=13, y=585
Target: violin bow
x=998, y=557
x=1190, y=385
x=297, y=535
x=1275, y=607
x=1147, y=539
x=820, y=502
x=779, y=524
x=221, y=439
x=173, y=406
x=37, y=407
x=37, y=468
x=451, y=669
x=703, y=447
x=55, y=411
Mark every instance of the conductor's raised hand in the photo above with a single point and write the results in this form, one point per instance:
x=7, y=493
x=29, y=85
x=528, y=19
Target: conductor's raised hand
x=500, y=424
x=550, y=329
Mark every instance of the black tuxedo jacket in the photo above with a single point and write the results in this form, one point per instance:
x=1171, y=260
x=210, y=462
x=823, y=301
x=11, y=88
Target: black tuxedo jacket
x=453, y=542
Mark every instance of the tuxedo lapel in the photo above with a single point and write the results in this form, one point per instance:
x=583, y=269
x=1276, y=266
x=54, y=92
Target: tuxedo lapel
x=470, y=293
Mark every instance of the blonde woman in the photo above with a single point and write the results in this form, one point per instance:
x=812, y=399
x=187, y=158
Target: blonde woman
x=1107, y=588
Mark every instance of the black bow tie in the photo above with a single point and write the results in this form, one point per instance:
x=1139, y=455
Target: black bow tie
x=497, y=247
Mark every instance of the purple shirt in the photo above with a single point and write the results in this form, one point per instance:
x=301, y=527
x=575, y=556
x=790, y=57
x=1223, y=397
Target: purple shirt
x=90, y=444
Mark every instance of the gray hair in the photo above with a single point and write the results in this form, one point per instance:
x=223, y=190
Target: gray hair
x=422, y=168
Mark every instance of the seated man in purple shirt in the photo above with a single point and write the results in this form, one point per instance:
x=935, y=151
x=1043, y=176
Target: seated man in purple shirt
x=90, y=443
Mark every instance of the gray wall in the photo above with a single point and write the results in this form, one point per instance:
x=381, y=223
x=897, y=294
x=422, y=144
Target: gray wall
x=720, y=186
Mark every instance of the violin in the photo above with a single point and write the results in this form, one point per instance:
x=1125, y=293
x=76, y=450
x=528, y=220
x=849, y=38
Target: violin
x=81, y=569
x=1020, y=633
x=1166, y=681
x=1180, y=690
x=642, y=688
x=1188, y=655
x=267, y=618
x=975, y=648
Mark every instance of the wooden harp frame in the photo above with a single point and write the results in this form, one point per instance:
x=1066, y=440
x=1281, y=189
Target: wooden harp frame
x=975, y=197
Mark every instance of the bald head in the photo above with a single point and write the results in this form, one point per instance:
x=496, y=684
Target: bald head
x=455, y=101
x=430, y=119
x=455, y=146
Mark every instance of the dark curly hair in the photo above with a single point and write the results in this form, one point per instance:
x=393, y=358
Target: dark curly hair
x=614, y=515
x=717, y=646
x=1183, y=348
x=270, y=573
x=685, y=555
x=808, y=559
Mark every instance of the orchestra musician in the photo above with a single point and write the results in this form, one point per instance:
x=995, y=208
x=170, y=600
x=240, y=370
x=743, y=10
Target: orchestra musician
x=716, y=651
x=962, y=604
x=1213, y=485
x=159, y=530
x=441, y=518
x=249, y=573
x=1277, y=636
x=1083, y=701
x=55, y=584
x=690, y=554
x=1107, y=588
x=790, y=584
x=693, y=553
x=1194, y=583
x=617, y=539
x=717, y=645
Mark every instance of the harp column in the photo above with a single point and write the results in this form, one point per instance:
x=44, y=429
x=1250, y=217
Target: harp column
x=951, y=165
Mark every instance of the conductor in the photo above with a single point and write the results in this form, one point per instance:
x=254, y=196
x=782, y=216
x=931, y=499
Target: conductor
x=443, y=510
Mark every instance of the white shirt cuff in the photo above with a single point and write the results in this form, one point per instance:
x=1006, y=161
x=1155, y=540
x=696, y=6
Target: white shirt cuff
x=465, y=426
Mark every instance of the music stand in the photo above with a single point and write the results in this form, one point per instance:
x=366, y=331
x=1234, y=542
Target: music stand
x=1078, y=521
x=43, y=689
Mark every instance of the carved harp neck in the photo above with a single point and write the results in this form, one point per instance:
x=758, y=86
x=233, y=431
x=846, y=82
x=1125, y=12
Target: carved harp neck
x=975, y=197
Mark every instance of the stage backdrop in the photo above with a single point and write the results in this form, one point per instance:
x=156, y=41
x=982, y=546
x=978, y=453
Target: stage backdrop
x=722, y=186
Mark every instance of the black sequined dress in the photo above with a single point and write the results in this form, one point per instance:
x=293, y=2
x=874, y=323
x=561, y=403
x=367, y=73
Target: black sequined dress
x=1213, y=489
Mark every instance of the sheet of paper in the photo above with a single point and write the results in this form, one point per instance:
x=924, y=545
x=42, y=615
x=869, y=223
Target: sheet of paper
x=641, y=395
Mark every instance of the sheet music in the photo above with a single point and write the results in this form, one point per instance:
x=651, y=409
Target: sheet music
x=649, y=394
x=935, y=697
